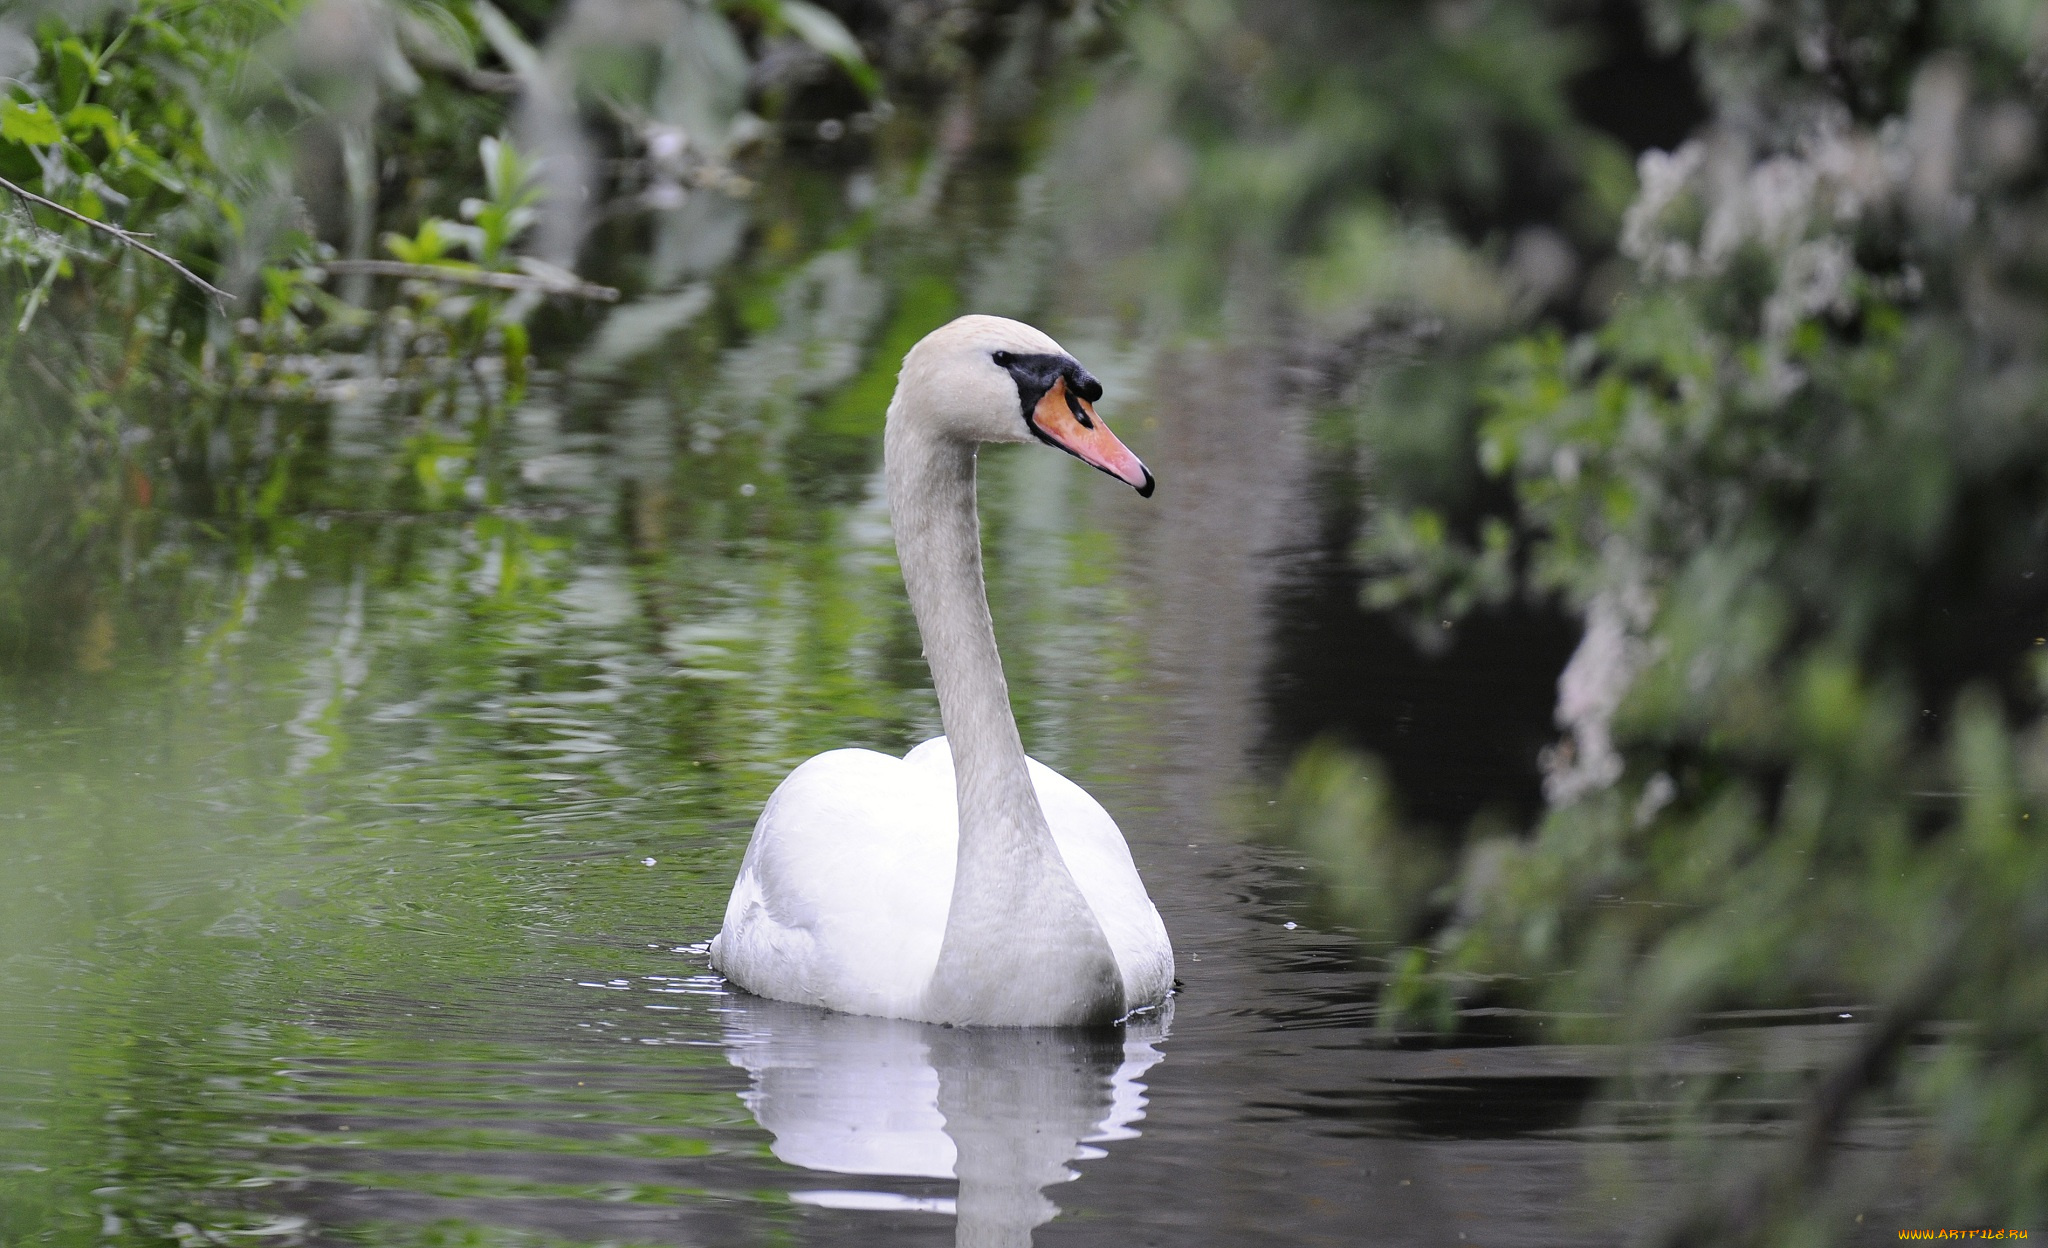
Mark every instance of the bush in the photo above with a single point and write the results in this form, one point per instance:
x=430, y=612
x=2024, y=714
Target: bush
x=1797, y=484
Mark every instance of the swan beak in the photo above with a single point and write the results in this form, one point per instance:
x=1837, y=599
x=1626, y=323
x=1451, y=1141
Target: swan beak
x=1068, y=421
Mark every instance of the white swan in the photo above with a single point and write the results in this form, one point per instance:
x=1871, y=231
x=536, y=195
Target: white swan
x=964, y=882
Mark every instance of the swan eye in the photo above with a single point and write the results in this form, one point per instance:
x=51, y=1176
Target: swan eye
x=1004, y=359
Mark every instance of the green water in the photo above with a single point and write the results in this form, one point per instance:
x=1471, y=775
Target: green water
x=371, y=781
x=356, y=850
x=360, y=863
x=433, y=789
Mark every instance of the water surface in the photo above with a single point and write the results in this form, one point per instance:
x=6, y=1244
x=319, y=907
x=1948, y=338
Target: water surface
x=361, y=859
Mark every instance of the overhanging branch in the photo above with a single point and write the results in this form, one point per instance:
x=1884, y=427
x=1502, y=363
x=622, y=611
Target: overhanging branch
x=475, y=277
x=126, y=238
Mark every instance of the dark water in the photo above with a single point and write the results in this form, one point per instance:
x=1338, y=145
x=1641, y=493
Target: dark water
x=359, y=862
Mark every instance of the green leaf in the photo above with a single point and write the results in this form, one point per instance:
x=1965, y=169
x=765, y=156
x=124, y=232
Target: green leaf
x=825, y=32
x=425, y=248
x=28, y=123
x=506, y=40
x=95, y=117
x=74, y=70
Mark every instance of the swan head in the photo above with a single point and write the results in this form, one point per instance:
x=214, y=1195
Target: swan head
x=991, y=379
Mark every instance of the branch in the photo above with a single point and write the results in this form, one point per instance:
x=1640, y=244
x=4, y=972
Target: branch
x=1742, y=1216
x=473, y=277
x=125, y=237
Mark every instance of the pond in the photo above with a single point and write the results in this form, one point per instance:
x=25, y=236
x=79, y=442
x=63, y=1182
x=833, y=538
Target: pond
x=362, y=858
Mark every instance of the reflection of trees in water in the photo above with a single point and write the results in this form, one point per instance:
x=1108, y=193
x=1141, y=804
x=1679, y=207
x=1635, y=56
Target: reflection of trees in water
x=1003, y=1110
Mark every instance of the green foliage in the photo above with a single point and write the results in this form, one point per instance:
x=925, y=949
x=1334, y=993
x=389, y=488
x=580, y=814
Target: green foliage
x=250, y=137
x=1417, y=564
x=509, y=206
x=1377, y=876
x=1795, y=484
x=1389, y=151
x=110, y=123
x=264, y=145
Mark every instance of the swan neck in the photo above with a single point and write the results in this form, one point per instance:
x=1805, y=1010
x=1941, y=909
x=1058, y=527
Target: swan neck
x=1021, y=945
x=938, y=543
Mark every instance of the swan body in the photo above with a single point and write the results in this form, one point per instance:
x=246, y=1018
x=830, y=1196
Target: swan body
x=963, y=883
x=843, y=896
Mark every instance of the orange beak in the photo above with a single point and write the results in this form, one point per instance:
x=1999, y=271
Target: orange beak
x=1068, y=421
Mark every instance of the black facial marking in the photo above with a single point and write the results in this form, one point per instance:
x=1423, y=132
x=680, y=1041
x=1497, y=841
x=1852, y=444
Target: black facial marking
x=1034, y=375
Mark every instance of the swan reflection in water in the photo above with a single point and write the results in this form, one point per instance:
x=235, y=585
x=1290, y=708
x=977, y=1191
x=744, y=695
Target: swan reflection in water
x=1001, y=1109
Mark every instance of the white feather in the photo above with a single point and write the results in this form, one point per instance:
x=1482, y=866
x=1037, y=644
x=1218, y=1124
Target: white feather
x=841, y=901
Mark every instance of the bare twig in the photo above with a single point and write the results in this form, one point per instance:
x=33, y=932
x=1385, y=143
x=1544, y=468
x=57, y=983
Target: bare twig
x=126, y=238
x=489, y=80
x=474, y=277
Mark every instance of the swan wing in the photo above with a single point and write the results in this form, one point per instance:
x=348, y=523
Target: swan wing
x=1099, y=859
x=841, y=900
